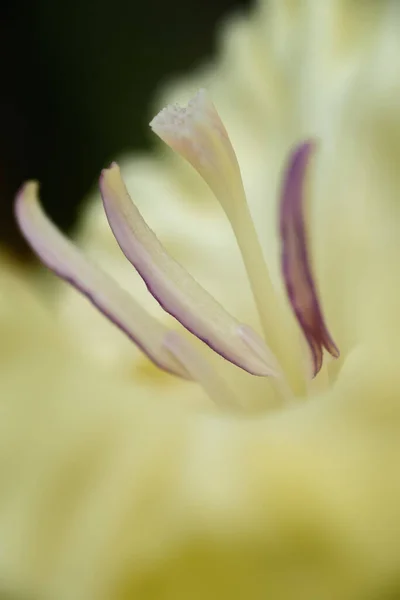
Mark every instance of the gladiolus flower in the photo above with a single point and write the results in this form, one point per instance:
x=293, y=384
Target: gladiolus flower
x=177, y=499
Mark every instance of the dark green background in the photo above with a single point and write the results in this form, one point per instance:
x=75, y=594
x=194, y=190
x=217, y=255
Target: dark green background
x=76, y=82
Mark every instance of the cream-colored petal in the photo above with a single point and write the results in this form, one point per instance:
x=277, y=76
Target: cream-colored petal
x=132, y=497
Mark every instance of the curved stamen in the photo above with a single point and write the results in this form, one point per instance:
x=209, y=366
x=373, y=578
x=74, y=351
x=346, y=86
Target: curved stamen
x=62, y=257
x=295, y=261
x=175, y=290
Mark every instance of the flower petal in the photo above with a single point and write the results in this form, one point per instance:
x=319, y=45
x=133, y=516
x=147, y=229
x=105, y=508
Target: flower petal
x=175, y=290
x=62, y=257
x=295, y=260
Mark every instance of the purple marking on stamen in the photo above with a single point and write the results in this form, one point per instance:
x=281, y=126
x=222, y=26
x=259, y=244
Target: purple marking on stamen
x=142, y=248
x=110, y=317
x=295, y=261
x=59, y=255
x=191, y=330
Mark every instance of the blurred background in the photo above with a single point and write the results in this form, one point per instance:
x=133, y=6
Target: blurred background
x=77, y=79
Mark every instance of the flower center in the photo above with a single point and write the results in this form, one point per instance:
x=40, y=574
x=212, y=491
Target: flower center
x=197, y=133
